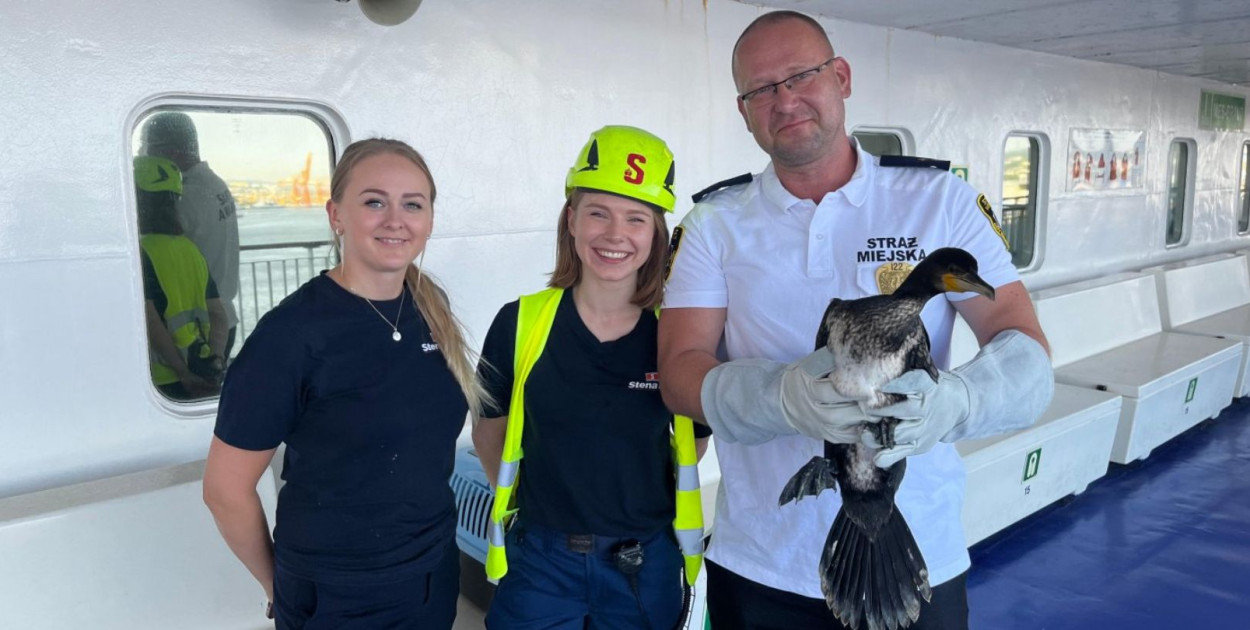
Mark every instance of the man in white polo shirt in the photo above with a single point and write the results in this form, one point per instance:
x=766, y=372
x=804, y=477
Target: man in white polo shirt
x=756, y=263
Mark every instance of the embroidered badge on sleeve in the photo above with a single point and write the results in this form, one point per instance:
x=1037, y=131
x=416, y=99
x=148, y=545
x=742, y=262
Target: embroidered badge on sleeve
x=984, y=205
x=674, y=245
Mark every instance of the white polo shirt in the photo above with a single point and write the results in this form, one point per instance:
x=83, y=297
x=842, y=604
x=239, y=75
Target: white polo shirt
x=774, y=261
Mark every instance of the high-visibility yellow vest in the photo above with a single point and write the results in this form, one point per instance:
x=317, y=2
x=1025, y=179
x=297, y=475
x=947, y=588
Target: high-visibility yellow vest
x=534, y=319
x=183, y=275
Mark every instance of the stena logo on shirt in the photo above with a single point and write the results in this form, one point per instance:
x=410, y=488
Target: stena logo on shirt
x=650, y=380
x=429, y=347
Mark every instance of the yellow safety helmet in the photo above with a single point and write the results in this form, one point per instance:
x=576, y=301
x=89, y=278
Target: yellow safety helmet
x=157, y=174
x=625, y=161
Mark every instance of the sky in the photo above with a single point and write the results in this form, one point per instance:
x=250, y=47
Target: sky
x=258, y=146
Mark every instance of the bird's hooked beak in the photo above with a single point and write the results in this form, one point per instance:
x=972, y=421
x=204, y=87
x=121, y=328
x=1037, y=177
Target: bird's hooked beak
x=966, y=281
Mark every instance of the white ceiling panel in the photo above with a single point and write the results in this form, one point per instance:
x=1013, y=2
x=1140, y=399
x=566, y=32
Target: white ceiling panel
x=1206, y=35
x=1201, y=38
x=1239, y=52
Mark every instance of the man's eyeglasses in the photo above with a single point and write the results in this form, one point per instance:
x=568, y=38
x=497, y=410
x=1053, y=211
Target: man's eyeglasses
x=799, y=81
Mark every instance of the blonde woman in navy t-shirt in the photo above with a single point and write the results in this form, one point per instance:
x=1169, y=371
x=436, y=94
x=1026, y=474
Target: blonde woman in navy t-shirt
x=364, y=374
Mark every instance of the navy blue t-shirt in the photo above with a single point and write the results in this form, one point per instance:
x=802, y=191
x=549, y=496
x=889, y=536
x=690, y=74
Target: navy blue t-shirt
x=370, y=426
x=597, y=456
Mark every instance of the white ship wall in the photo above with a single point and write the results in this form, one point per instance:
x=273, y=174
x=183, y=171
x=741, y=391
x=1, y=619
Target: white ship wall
x=499, y=96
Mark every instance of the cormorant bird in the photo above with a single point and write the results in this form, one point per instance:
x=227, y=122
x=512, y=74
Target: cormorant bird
x=871, y=569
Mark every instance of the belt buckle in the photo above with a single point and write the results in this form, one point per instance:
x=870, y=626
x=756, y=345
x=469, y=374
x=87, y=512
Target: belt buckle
x=580, y=543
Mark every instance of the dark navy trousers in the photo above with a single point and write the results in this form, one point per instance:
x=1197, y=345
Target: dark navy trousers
x=552, y=587
x=736, y=603
x=426, y=601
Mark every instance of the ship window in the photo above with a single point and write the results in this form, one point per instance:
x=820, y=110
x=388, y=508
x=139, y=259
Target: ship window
x=244, y=228
x=1023, y=159
x=1180, y=190
x=1243, y=192
x=882, y=141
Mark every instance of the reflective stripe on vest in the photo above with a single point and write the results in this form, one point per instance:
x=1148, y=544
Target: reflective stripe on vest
x=535, y=316
x=183, y=276
x=688, y=524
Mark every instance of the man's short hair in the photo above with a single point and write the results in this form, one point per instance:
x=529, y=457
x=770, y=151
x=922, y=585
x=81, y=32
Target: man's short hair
x=170, y=129
x=775, y=17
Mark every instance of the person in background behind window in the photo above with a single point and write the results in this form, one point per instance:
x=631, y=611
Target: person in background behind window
x=206, y=209
x=364, y=374
x=185, y=318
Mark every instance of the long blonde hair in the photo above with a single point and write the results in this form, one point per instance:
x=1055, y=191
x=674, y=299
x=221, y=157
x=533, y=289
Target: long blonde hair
x=430, y=299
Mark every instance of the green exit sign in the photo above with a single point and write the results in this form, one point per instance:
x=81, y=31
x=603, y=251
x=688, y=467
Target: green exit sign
x=1032, y=463
x=961, y=172
x=1221, y=111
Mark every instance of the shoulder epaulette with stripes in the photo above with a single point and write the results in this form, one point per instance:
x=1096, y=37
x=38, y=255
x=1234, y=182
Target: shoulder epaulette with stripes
x=915, y=162
x=744, y=178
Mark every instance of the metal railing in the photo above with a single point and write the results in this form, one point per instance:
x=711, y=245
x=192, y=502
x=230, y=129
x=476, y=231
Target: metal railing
x=269, y=272
x=1017, y=225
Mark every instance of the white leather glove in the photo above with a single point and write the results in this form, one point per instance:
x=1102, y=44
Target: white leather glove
x=811, y=406
x=755, y=400
x=1007, y=386
x=930, y=411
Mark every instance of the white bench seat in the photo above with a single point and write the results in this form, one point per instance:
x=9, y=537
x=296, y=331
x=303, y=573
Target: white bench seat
x=1209, y=296
x=1155, y=376
x=1108, y=334
x=1148, y=366
x=129, y=552
x=1071, y=443
x=1013, y=475
x=1232, y=324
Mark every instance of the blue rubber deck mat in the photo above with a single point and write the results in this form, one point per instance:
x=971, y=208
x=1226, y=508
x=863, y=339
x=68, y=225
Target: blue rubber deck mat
x=1159, y=544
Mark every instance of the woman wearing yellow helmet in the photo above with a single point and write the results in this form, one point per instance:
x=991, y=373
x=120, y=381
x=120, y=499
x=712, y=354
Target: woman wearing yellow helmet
x=574, y=371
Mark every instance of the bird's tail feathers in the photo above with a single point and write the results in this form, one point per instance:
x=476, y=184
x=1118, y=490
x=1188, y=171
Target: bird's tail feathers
x=874, y=584
x=814, y=477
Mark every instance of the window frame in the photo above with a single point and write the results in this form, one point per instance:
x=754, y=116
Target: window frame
x=1187, y=201
x=1039, y=192
x=327, y=118
x=906, y=142
x=1241, y=192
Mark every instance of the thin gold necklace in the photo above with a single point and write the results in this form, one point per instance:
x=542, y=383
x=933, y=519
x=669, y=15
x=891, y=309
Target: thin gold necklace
x=395, y=334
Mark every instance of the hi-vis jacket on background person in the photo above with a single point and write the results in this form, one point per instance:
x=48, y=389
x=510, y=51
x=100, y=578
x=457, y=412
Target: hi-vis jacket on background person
x=185, y=315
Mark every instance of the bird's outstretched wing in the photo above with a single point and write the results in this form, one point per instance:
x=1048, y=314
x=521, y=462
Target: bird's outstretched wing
x=918, y=358
x=822, y=333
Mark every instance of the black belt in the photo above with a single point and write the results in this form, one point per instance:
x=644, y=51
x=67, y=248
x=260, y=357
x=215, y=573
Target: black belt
x=590, y=543
x=580, y=543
